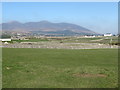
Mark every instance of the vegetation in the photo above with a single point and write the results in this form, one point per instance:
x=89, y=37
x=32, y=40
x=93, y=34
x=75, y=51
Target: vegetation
x=5, y=36
x=59, y=68
x=31, y=40
x=102, y=40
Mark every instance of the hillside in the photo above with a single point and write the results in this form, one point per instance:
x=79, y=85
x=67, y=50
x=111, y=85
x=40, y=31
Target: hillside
x=46, y=27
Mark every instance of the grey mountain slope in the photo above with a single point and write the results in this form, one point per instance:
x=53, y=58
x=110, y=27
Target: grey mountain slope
x=45, y=26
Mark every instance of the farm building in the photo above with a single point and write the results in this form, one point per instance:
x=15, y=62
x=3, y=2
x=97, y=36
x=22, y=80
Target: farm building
x=108, y=34
x=6, y=40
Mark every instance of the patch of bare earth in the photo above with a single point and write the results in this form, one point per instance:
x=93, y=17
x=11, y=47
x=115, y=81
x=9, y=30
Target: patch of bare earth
x=89, y=75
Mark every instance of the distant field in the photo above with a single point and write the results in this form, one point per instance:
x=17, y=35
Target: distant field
x=104, y=40
x=60, y=68
x=31, y=40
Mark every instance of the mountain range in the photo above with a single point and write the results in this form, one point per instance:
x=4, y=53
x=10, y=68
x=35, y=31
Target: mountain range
x=46, y=27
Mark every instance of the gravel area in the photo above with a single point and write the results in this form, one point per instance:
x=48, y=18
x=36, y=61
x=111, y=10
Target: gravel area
x=58, y=45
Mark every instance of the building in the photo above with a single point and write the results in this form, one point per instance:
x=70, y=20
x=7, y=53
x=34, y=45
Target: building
x=6, y=39
x=108, y=34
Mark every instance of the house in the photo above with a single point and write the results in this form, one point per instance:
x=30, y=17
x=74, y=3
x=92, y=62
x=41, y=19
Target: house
x=108, y=34
x=6, y=39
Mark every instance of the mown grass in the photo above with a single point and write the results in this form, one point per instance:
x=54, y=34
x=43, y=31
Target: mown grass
x=0, y=68
x=53, y=68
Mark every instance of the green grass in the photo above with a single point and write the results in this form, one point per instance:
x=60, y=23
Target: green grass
x=102, y=40
x=31, y=40
x=0, y=68
x=53, y=68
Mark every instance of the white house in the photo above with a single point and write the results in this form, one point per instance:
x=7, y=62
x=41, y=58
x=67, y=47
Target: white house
x=108, y=34
x=7, y=39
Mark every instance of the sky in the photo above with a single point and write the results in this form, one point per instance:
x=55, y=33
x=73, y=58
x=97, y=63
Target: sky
x=101, y=17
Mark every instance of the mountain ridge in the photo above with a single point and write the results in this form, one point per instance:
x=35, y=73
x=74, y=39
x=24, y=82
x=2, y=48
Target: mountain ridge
x=45, y=26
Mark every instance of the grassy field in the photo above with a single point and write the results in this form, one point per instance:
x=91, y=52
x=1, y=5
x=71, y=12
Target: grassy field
x=53, y=68
x=30, y=40
x=104, y=40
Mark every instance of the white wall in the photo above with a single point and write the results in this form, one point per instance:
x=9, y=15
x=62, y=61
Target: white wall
x=107, y=34
x=5, y=39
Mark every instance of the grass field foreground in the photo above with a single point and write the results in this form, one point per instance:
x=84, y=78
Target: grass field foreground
x=60, y=68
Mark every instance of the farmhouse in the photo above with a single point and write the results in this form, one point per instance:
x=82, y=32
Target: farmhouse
x=6, y=39
x=108, y=34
